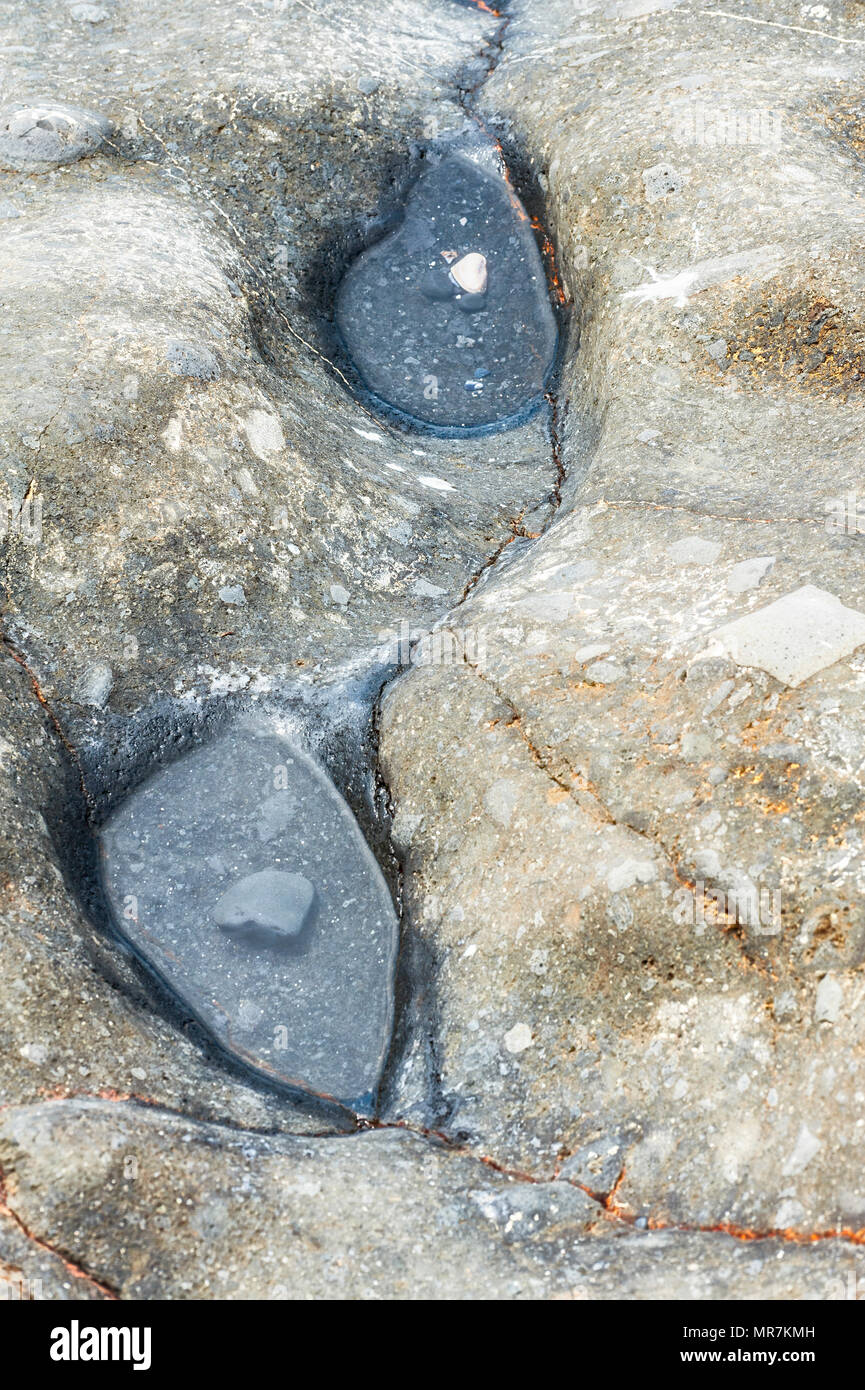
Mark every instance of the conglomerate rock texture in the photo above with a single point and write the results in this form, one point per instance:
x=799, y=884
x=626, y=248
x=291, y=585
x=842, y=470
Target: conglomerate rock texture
x=617, y=789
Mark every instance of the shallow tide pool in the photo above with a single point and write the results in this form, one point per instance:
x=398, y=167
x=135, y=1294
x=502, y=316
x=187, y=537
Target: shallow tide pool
x=240, y=875
x=448, y=319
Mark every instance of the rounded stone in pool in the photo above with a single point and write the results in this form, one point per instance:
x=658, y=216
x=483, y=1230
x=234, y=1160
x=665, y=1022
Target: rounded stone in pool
x=241, y=877
x=448, y=319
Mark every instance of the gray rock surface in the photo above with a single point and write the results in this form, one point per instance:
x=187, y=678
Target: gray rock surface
x=677, y=862
x=382, y=1215
x=37, y=137
x=630, y=858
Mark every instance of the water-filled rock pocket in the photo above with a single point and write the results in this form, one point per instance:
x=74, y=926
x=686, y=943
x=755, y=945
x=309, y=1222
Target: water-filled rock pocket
x=240, y=876
x=448, y=318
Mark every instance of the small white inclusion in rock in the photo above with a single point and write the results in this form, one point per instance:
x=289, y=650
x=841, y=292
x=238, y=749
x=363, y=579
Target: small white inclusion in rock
x=470, y=273
x=518, y=1038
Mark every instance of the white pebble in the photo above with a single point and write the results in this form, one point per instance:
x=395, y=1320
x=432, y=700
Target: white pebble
x=518, y=1038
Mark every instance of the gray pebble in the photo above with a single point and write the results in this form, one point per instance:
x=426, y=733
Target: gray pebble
x=269, y=907
x=190, y=359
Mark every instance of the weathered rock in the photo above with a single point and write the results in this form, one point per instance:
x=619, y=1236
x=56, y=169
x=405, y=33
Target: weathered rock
x=214, y=517
x=621, y=843
x=37, y=137
x=381, y=1215
x=651, y=875
x=634, y=936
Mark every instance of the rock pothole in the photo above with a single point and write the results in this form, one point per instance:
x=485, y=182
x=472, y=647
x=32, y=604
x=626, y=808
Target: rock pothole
x=254, y=275
x=448, y=318
x=241, y=877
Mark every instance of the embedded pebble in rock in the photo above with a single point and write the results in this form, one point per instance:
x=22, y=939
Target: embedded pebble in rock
x=448, y=319
x=694, y=550
x=233, y=595
x=190, y=359
x=95, y=685
x=749, y=573
x=213, y=884
x=830, y=997
x=660, y=181
x=264, y=433
x=37, y=137
x=796, y=636
x=604, y=672
x=88, y=14
x=518, y=1038
x=269, y=908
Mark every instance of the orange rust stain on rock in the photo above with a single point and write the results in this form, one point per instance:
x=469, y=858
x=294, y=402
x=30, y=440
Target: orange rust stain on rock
x=802, y=341
x=787, y=1233
x=556, y=795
